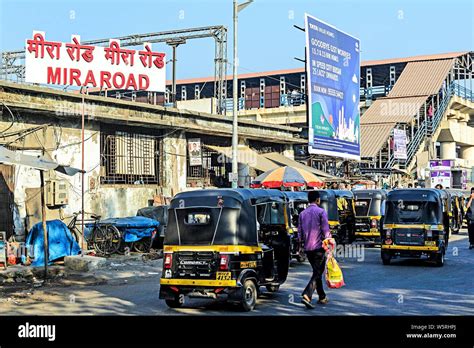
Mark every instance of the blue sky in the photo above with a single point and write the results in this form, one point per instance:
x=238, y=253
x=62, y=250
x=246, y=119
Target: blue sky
x=267, y=39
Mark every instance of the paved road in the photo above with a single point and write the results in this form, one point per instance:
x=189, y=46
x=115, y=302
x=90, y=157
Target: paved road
x=407, y=287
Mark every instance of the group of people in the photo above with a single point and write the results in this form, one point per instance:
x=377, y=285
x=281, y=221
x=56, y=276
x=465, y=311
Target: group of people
x=313, y=228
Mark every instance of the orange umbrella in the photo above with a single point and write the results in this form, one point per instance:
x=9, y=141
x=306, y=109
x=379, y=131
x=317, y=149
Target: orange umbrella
x=287, y=177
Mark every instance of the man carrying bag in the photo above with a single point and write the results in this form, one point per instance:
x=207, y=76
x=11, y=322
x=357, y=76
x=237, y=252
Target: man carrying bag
x=313, y=228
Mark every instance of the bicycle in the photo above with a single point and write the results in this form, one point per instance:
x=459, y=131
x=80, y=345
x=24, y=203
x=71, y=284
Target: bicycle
x=105, y=239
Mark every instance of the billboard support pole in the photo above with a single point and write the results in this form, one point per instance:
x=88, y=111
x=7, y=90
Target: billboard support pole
x=82, y=169
x=235, y=136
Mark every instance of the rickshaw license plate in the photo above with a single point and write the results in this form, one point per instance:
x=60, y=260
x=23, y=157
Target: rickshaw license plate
x=223, y=276
x=430, y=242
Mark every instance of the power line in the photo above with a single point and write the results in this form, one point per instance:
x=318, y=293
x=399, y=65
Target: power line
x=12, y=116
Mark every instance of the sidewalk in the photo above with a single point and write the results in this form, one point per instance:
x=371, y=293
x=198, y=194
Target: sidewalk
x=19, y=280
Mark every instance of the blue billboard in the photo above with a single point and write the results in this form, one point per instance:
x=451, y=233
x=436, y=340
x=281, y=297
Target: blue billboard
x=333, y=68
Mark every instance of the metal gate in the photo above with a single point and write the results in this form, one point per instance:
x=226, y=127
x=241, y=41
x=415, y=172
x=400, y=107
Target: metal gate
x=7, y=185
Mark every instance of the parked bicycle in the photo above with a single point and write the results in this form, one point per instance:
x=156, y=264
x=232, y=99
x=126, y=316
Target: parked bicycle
x=105, y=239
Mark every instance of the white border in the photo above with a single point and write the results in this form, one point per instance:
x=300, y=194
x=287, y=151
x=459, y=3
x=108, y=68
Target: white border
x=309, y=87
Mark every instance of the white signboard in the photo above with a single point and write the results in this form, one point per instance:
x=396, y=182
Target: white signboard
x=233, y=177
x=194, y=149
x=111, y=67
x=399, y=144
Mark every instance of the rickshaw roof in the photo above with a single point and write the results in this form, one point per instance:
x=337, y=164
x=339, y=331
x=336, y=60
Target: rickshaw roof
x=454, y=192
x=240, y=195
x=416, y=194
x=344, y=193
x=296, y=196
x=329, y=194
x=373, y=193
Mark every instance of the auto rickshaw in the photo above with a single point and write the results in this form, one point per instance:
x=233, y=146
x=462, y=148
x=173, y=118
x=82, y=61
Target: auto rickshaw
x=456, y=211
x=225, y=243
x=415, y=224
x=467, y=195
x=339, y=205
x=369, y=210
x=297, y=202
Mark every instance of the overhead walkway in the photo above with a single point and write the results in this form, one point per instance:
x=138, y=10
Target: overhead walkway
x=418, y=102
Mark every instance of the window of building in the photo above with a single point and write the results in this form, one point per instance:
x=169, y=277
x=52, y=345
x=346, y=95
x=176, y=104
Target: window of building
x=129, y=158
x=215, y=167
x=438, y=149
x=458, y=151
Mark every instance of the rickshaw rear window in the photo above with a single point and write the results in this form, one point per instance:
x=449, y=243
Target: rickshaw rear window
x=362, y=207
x=202, y=226
x=198, y=219
x=411, y=207
x=412, y=212
x=270, y=214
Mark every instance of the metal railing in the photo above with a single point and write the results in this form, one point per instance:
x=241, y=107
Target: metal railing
x=462, y=92
x=428, y=127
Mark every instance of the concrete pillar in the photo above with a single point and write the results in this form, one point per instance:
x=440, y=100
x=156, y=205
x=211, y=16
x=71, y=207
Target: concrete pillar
x=243, y=165
x=244, y=175
x=289, y=152
x=467, y=153
x=448, y=150
x=174, y=163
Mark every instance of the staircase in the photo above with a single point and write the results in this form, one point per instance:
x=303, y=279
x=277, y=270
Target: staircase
x=428, y=128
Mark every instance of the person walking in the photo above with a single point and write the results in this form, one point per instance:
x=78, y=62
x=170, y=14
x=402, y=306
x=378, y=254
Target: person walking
x=470, y=219
x=313, y=228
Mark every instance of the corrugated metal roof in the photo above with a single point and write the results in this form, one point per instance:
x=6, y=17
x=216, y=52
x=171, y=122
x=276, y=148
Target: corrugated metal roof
x=283, y=160
x=393, y=110
x=413, y=58
x=428, y=57
x=246, y=156
x=38, y=162
x=421, y=78
x=240, y=76
x=373, y=137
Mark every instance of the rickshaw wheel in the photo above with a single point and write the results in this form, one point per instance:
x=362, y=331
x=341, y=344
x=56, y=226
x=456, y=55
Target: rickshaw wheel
x=439, y=258
x=386, y=258
x=249, y=295
x=174, y=303
x=272, y=288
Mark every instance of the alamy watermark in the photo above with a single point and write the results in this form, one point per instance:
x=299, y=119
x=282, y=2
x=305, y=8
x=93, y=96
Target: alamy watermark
x=75, y=109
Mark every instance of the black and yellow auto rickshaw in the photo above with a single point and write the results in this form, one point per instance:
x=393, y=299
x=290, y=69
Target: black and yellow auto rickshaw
x=467, y=195
x=369, y=210
x=225, y=243
x=297, y=202
x=339, y=205
x=415, y=224
x=456, y=211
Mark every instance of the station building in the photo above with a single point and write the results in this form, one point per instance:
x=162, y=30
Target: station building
x=136, y=154
x=430, y=97
x=136, y=143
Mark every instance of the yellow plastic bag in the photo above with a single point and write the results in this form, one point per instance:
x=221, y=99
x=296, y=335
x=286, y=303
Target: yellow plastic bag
x=334, y=277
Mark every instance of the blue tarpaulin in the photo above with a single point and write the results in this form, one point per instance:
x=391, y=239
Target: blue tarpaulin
x=133, y=228
x=61, y=242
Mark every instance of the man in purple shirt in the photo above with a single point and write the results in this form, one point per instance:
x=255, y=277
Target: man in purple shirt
x=313, y=228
